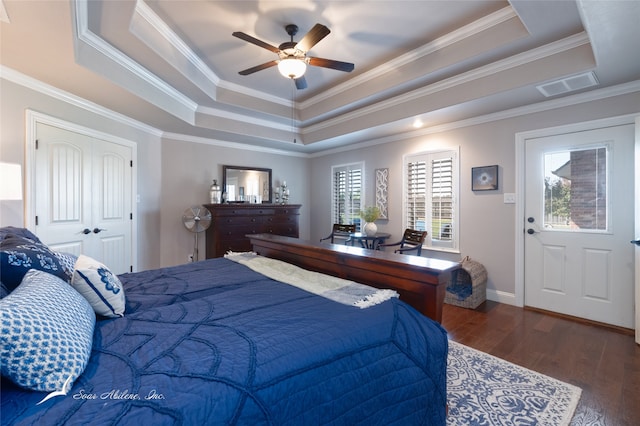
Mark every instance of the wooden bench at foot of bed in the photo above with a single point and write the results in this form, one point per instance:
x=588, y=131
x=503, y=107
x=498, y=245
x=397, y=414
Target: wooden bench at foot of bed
x=420, y=281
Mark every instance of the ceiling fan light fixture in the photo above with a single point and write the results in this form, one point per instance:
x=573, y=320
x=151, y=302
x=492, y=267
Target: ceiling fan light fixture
x=292, y=67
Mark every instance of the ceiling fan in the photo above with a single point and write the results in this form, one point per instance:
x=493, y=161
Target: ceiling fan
x=293, y=59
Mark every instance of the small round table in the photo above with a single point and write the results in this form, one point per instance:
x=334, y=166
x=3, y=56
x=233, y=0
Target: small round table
x=368, y=242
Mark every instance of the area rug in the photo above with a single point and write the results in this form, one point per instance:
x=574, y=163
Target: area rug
x=485, y=390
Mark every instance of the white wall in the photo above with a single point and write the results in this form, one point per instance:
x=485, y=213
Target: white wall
x=188, y=169
x=487, y=224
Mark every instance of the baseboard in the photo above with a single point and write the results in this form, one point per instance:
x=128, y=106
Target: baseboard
x=501, y=297
x=510, y=299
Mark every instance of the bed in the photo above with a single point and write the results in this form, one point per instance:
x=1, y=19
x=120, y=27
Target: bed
x=217, y=342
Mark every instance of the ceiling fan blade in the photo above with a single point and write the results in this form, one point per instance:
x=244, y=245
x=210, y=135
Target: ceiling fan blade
x=250, y=39
x=301, y=83
x=258, y=68
x=330, y=63
x=317, y=33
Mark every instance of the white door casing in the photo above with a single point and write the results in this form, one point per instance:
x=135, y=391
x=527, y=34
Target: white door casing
x=81, y=187
x=637, y=227
x=570, y=280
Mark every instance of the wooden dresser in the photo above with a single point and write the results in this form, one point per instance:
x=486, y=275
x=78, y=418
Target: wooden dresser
x=230, y=223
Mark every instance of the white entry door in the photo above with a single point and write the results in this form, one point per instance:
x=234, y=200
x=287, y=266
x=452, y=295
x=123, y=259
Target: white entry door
x=579, y=221
x=83, y=196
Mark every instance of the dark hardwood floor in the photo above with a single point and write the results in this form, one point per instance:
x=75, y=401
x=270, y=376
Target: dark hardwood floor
x=605, y=363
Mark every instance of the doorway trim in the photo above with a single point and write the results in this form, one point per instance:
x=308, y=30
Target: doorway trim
x=32, y=119
x=520, y=182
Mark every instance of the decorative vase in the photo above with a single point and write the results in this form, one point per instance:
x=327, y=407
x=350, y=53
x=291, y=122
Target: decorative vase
x=370, y=229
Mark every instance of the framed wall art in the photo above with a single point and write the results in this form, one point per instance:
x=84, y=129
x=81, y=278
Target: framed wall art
x=382, y=185
x=484, y=178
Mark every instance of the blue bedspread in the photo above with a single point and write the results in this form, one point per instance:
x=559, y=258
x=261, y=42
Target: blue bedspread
x=214, y=343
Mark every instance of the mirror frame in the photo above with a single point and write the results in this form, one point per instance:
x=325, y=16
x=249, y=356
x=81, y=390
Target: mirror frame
x=226, y=168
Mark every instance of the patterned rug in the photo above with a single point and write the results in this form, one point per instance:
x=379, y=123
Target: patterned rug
x=485, y=390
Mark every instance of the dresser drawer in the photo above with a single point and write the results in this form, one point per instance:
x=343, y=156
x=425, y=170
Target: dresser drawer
x=232, y=232
x=279, y=218
x=286, y=211
x=282, y=229
x=231, y=223
x=247, y=211
x=225, y=221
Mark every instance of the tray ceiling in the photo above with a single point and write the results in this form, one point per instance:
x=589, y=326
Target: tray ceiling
x=173, y=65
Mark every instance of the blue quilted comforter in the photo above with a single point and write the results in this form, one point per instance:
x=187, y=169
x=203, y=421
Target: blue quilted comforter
x=215, y=343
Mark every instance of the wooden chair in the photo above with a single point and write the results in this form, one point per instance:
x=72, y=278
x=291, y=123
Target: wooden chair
x=341, y=231
x=411, y=242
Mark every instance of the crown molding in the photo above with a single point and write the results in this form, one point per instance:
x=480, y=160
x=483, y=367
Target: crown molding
x=590, y=96
x=4, y=17
x=219, y=113
x=256, y=94
x=233, y=145
x=593, y=95
x=23, y=80
x=464, y=78
x=449, y=39
x=164, y=35
x=92, y=51
x=158, y=36
x=147, y=26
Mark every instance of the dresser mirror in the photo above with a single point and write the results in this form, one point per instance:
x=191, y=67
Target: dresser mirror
x=246, y=184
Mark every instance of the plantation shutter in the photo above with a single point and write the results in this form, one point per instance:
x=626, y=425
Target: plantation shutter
x=347, y=189
x=430, y=194
x=416, y=195
x=442, y=198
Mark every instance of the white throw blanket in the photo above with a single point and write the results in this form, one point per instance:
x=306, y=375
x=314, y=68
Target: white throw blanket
x=333, y=288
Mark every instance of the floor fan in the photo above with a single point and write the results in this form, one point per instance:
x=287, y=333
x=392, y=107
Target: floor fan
x=196, y=219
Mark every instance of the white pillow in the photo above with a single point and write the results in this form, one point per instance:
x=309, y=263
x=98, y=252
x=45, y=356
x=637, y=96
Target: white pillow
x=46, y=333
x=101, y=287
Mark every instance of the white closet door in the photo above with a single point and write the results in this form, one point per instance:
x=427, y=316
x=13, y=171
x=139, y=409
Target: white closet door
x=83, y=189
x=111, y=205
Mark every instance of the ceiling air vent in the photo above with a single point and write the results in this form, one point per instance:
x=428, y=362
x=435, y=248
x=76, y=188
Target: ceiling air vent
x=568, y=84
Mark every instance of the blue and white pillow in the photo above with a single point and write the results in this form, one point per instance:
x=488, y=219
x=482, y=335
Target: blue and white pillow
x=21, y=232
x=46, y=333
x=18, y=254
x=101, y=287
x=68, y=261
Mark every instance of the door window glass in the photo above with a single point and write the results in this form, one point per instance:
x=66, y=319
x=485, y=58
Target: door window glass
x=575, y=190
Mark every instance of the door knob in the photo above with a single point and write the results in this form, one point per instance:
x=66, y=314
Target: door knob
x=636, y=242
x=530, y=231
x=98, y=230
x=86, y=231
x=530, y=220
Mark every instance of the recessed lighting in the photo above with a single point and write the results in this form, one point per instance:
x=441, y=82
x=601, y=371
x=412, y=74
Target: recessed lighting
x=417, y=123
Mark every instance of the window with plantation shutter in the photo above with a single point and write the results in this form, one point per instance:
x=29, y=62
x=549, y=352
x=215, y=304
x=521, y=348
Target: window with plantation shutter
x=431, y=194
x=346, y=193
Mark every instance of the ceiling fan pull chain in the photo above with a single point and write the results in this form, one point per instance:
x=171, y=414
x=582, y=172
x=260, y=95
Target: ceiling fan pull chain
x=293, y=110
